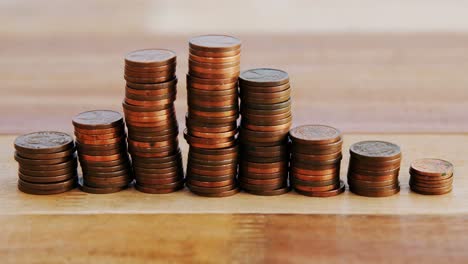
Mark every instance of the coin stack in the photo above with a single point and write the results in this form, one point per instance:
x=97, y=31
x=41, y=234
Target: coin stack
x=266, y=120
x=102, y=151
x=151, y=120
x=47, y=162
x=315, y=160
x=214, y=65
x=431, y=176
x=373, y=168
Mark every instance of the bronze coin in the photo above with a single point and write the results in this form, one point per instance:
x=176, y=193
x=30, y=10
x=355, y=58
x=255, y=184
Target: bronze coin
x=152, y=155
x=152, y=126
x=210, y=184
x=308, y=165
x=377, y=166
x=263, y=77
x=362, y=177
x=329, y=193
x=263, y=175
x=104, y=157
x=376, y=172
x=317, y=172
x=150, y=58
x=218, y=43
x=193, y=176
x=121, y=180
x=232, y=81
x=265, y=89
x=107, y=190
x=149, y=80
x=152, y=181
x=211, y=172
x=304, y=149
x=167, y=137
x=150, y=190
x=224, y=193
x=429, y=178
x=372, y=184
x=309, y=178
x=210, y=190
x=207, y=65
x=221, y=151
x=34, y=162
x=265, y=154
x=111, y=141
x=117, y=167
x=176, y=155
x=170, y=169
x=107, y=174
x=43, y=142
x=151, y=144
x=263, y=187
x=149, y=98
x=228, y=134
x=196, y=70
x=153, y=86
x=97, y=119
x=270, y=181
x=152, y=92
x=315, y=134
x=178, y=173
x=48, y=186
x=80, y=136
x=212, y=167
x=46, y=179
x=169, y=74
x=87, y=163
x=383, y=193
x=44, y=192
x=213, y=75
x=375, y=150
x=266, y=112
x=267, y=128
x=72, y=163
x=220, y=121
x=211, y=162
x=147, y=109
x=211, y=88
x=213, y=157
x=267, y=96
x=214, y=54
x=48, y=173
x=265, y=159
x=269, y=192
x=113, y=130
x=432, y=167
x=266, y=119
x=148, y=69
x=429, y=191
x=205, y=59
x=175, y=162
x=204, y=92
x=260, y=102
x=296, y=181
x=122, y=149
x=430, y=184
x=154, y=150
x=314, y=157
x=155, y=130
x=316, y=188
x=151, y=103
x=47, y=156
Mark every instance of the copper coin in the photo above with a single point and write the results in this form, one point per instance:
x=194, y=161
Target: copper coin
x=170, y=169
x=200, y=111
x=219, y=121
x=161, y=149
x=211, y=172
x=205, y=92
x=43, y=142
x=80, y=136
x=46, y=179
x=153, y=126
x=148, y=69
x=316, y=164
x=314, y=157
x=268, y=128
x=372, y=184
x=87, y=163
x=176, y=155
x=206, y=160
x=265, y=159
x=27, y=161
x=165, y=186
x=213, y=157
x=72, y=163
x=149, y=98
x=204, y=59
x=205, y=103
x=304, y=149
x=227, y=134
x=214, y=54
x=176, y=162
x=215, y=167
x=383, y=193
x=102, y=158
x=296, y=181
x=108, y=190
x=246, y=169
x=377, y=166
x=104, y=152
x=263, y=187
x=213, y=65
x=265, y=118
x=168, y=74
x=227, y=193
x=97, y=119
x=44, y=192
x=47, y=156
x=430, y=178
x=430, y=184
x=194, y=69
x=155, y=181
x=151, y=144
x=265, y=89
x=161, y=129
x=101, y=141
x=163, y=102
x=260, y=102
x=269, y=192
x=263, y=175
x=309, y=178
x=152, y=92
x=214, y=43
x=214, y=75
x=157, y=175
x=232, y=81
x=320, y=171
x=107, y=174
x=284, y=109
x=329, y=193
x=193, y=176
x=112, y=130
x=150, y=57
x=265, y=95
x=376, y=172
x=153, y=155
x=371, y=177
x=315, y=134
x=171, y=137
x=117, y=167
x=221, y=151
x=210, y=184
x=432, y=167
x=48, y=186
x=121, y=180
x=316, y=188
x=430, y=191
x=263, y=77
x=262, y=181
x=48, y=173
x=375, y=150
x=153, y=86
x=150, y=190
x=147, y=109
x=210, y=190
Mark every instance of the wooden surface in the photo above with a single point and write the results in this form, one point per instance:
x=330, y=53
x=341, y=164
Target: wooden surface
x=58, y=58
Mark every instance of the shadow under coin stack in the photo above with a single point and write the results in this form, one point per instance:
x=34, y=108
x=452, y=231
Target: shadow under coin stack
x=214, y=65
x=431, y=176
x=266, y=120
x=102, y=150
x=373, y=168
x=315, y=160
x=47, y=162
x=151, y=120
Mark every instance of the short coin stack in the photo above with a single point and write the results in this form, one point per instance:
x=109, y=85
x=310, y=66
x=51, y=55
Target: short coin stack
x=47, y=162
x=315, y=160
x=102, y=151
x=214, y=65
x=373, y=168
x=266, y=120
x=431, y=176
x=151, y=120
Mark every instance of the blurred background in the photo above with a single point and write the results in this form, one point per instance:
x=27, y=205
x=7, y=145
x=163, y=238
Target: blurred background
x=362, y=66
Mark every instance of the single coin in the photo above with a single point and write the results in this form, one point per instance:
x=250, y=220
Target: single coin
x=120, y=180
x=97, y=119
x=155, y=181
x=49, y=173
x=264, y=89
x=151, y=103
x=265, y=159
x=329, y=193
x=213, y=65
x=211, y=184
x=375, y=150
x=149, y=80
x=72, y=163
x=113, y=130
x=268, y=128
x=83, y=148
x=429, y=178
x=87, y=163
x=103, y=158
x=80, y=136
x=269, y=192
x=262, y=181
x=118, y=167
x=266, y=119
x=107, y=190
x=374, y=166
x=150, y=190
x=263, y=77
x=214, y=54
x=430, y=184
x=44, y=192
x=305, y=177
x=372, y=193
x=40, y=162
x=427, y=191
x=111, y=141
x=47, y=179
x=169, y=73
x=224, y=193
x=151, y=92
x=315, y=134
x=296, y=181
x=362, y=177
x=47, y=156
x=48, y=186
x=107, y=174
x=223, y=59
x=432, y=167
x=153, y=86
x=316, y=188
x=314, y=157
x=227, y=134
x=43, y=142
x=372, y=184
x=149, y=69
x=103, y=152
x=264, y=187
x=150, y=58
x=196, y=177
x=263, y=175
x=214, y=43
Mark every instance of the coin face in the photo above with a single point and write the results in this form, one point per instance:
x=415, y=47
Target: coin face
x=264, y=76
x=432, y=166
x=375, y=149
x=97, y=118
x=43, y=140
x=150, y=56
x=315, y=133
x=215, y=42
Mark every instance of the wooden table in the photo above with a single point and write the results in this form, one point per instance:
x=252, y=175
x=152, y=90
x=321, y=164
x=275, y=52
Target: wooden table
x=411, y=89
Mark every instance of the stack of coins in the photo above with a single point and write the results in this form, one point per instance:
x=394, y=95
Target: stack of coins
x=431, y=176
x=214, y=65
x=266, y=120
x=151, y=120
x=102, y=151
x=315, y=160
x=373, y=168
x=47, y=162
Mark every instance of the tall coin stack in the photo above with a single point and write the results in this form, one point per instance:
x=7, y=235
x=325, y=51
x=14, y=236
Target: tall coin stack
x=431, y=176
x=373, y=168
x=151, y=120
x=214, y=66
x=315, y=160
x=266, y=120
x=47, y=162
x=102, y=151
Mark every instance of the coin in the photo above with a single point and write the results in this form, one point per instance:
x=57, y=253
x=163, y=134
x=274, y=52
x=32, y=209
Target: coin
x=329, y=193
x=214, y=43
x=432, y=167
x=43, y=142
x=150, y=57
x=375, y=150
x=314, y=134
x=263, y=77
x=100, y=190
x=269, y=192
x=44, y=192
x=97, y=119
